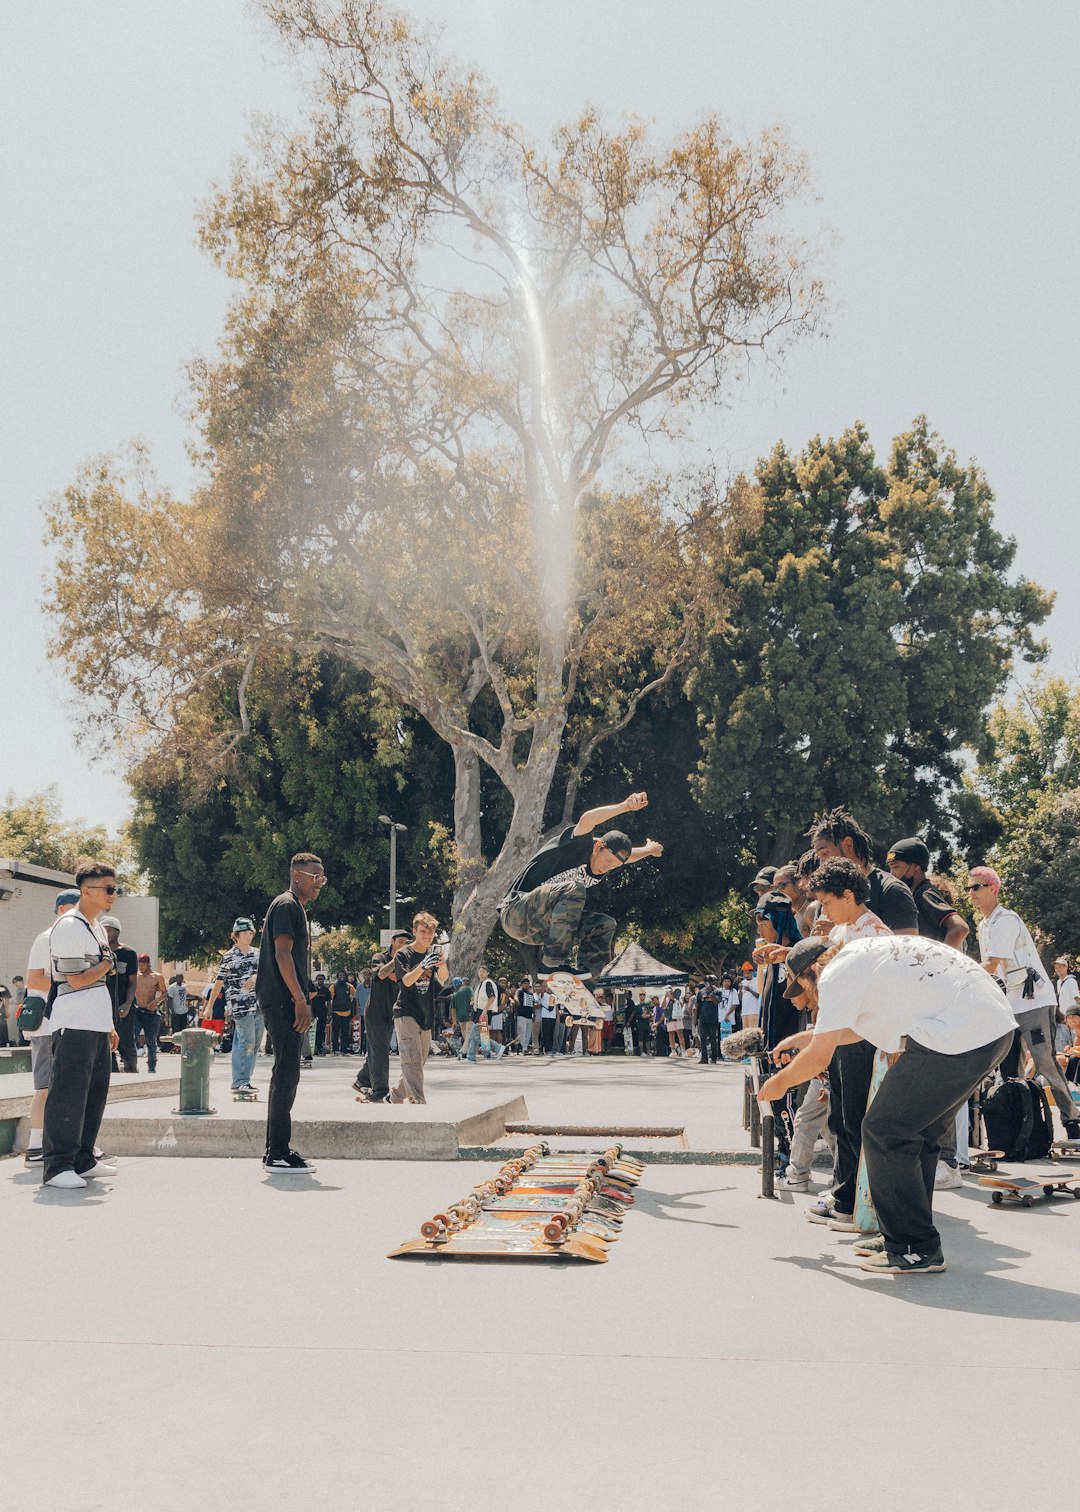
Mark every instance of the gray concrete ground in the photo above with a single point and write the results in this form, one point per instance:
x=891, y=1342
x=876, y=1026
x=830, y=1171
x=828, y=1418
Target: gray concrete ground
x=192, y=1333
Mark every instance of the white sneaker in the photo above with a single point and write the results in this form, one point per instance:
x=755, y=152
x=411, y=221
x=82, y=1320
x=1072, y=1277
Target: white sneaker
x=793, y=1183
x=66, y=1181
x=100, y=1168
x=946, y=1177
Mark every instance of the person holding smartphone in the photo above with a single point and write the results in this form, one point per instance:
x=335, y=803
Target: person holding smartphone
x=420, y=969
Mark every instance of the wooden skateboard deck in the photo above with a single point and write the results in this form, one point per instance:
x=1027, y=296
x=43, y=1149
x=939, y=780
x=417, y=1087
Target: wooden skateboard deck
x=1026, y=1190
x=245, y=1097
x=469, y=1245
x=582, y=1008
x=983, y=1162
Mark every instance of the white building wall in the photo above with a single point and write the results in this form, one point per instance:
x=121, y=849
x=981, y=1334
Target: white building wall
x=29, y=909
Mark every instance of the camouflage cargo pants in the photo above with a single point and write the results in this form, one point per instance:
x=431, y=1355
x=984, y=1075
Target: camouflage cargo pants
x=554, y=917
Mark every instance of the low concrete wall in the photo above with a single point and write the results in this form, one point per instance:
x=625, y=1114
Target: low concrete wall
x=321, y=1139
x=16, y=1092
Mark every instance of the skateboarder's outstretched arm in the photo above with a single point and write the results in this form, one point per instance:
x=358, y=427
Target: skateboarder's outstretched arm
x=591, y=818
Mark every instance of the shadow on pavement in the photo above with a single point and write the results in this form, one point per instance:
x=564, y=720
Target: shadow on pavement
x=672, y=1206
x=968, y=1285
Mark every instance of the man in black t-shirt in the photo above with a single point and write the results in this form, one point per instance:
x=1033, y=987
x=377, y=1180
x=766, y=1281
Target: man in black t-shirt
x=319, y=997
x=545, y=909
x=281, y=986
x=122, y=991
x=909, y=862
x=420, y=969
x=373, y=1078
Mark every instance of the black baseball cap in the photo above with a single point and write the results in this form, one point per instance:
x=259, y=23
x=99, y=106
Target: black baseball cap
x=764, y=877
x=913, y=850
x=802, y=955
x=618, y=843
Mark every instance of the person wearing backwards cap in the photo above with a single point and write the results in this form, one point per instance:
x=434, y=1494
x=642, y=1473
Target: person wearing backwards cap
x=954, y=1026
x=373, y=1078
x=235, y=981
x=38, y=987
x=1008, y=952
x=545, y=908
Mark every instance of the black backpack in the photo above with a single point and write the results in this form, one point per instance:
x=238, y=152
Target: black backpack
x=1017, y=1121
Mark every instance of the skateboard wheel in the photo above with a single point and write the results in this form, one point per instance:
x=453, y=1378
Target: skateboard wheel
x=1074, y=1192
x=1048, y=1191
x=997, y=1198
x=430, y=1229
x=554, y=1233
x=1028, y=1201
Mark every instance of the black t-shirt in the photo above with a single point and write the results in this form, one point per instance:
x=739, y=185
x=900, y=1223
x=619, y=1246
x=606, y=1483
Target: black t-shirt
x=343, y=998
x=933, y=909
x=320, y=998
x=416, y=1002
x=384, y=990
x=565, y=853
x=285, y=916
x=524, y=1003
x=127, y=964
x=708, y=1009
x=891, y=900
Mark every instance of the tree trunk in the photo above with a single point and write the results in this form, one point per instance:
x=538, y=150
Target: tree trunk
x=477, y=900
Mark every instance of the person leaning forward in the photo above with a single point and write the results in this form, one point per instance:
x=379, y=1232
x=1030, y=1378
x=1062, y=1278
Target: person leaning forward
x=919, y=996
x=420, y=968
x=545, y=909
x=281, y=987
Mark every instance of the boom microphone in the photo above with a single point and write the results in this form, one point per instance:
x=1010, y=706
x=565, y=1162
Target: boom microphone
x=742, y=1043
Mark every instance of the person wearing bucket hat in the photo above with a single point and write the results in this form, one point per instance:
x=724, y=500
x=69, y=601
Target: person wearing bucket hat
x=235, y=983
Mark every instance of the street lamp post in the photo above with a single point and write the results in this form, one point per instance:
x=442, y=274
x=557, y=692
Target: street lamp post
x=394, y=829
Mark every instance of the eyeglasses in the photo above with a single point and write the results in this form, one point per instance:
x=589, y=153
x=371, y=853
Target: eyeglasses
x=305, y=873
x=104, y=887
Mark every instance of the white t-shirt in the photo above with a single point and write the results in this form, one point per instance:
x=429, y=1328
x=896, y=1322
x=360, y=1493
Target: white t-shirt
x=87, y=1007
x=1004, y=936
x=1068, y=995
x=866, y=927
x=486, y=998
x=902, y=985
x=39, y=961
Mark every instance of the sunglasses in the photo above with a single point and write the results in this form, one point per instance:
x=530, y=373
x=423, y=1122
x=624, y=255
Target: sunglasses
x=105, y=887
x=974, y=886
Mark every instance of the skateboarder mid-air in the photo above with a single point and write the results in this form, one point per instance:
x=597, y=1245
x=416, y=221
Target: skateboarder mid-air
x=545, y=909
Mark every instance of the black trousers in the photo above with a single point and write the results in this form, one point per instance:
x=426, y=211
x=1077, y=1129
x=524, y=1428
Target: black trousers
x=77, y=1094
x=547, y=1035
x=320, y=1033
x=375, y=1072
x=850, y=1071
x=342, y=1033
x=709, y=1037
x=902, y=1133
x=127, y=1028
x=283, y=1080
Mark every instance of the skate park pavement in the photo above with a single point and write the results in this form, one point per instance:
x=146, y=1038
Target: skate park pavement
x=199, y=1334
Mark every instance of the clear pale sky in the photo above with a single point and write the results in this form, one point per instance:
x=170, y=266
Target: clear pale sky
x=946, y=146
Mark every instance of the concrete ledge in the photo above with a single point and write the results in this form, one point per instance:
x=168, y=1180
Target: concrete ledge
x=19, y=1089
x=394, y=1136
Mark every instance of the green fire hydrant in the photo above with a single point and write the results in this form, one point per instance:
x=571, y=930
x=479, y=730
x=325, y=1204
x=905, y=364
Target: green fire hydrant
x=196, y=1058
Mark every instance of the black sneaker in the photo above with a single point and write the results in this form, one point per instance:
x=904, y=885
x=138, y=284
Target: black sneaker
x=888, y=1263
x=35, y=1156
x=291, y=1164
x=548, y=968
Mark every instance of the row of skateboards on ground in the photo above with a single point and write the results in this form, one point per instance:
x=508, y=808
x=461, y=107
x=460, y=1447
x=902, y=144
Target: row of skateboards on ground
x=541, y=1205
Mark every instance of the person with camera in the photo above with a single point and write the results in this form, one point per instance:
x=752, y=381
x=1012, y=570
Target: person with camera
x=420, y=969
x=1008, y=953
x=83, y=1037
x=953, y=1025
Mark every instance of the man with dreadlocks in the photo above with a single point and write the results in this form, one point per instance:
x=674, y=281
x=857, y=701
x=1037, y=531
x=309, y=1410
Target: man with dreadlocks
x=838, y=833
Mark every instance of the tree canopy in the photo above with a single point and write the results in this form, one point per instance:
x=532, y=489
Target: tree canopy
x=872, y=620
x=441, y=332
x=34, y=830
